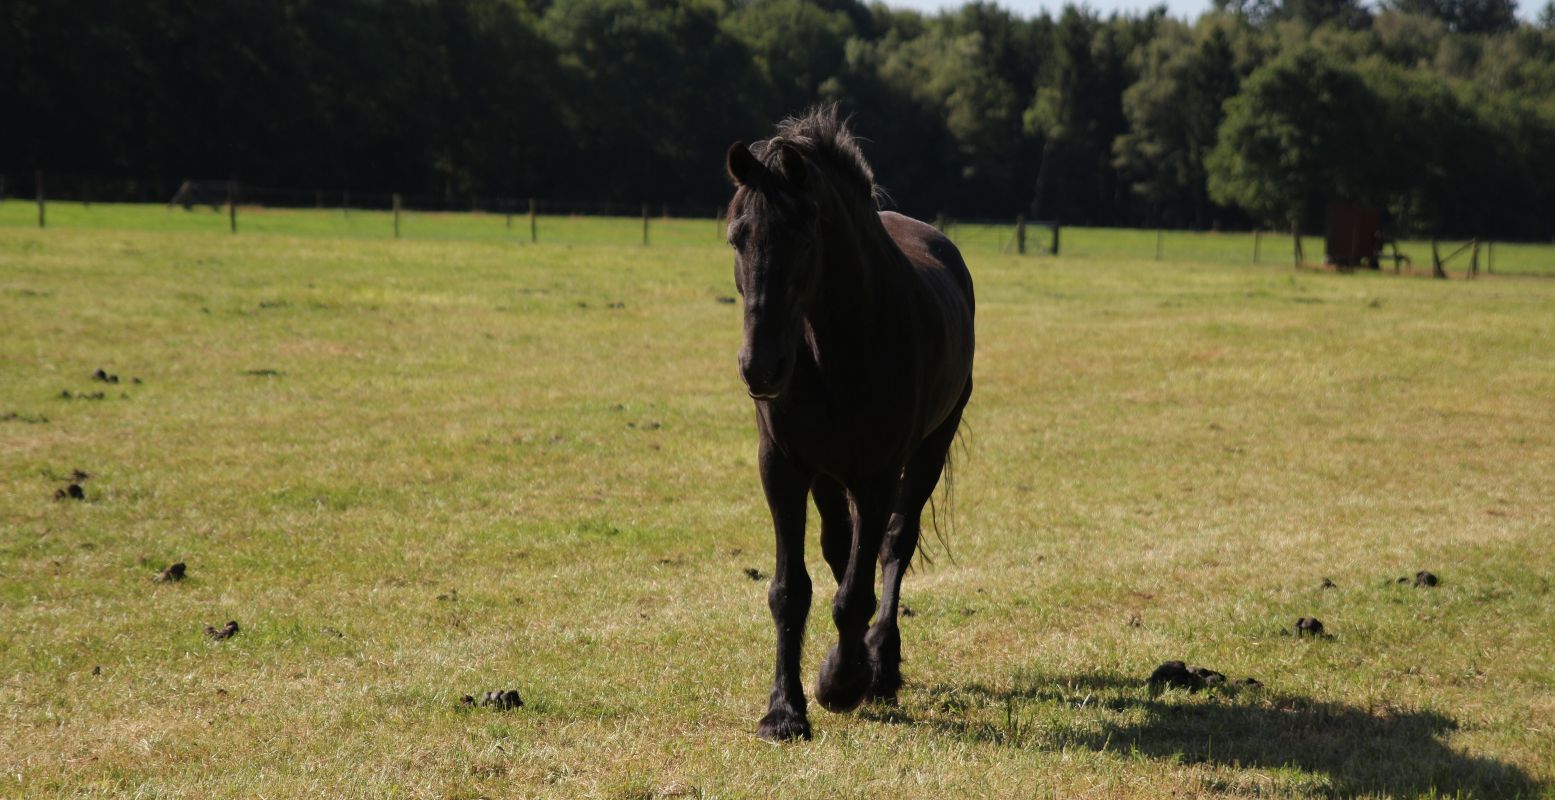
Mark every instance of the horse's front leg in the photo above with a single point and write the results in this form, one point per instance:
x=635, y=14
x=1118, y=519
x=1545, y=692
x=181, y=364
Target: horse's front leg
x=847, y=673
x=788, y=595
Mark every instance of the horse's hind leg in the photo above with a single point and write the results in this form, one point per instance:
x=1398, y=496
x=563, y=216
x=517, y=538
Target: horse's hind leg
x=846, y=673
x=922, y=474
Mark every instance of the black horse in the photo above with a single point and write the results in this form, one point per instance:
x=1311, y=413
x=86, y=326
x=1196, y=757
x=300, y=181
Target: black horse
x=858, y=353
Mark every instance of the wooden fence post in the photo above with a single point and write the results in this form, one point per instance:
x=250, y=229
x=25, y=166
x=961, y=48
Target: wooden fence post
x=42, y=218
x=1055, y=237
x=396, y=215
x=232, y=205
x=534, y=229
x=1295, y=248
x=1474, y=260
x=645, y=224
x=1020, y=234
x=939, y=222
x=1436, y=263
x=1257, y=235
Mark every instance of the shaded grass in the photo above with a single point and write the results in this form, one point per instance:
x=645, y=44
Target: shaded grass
x=460, y=458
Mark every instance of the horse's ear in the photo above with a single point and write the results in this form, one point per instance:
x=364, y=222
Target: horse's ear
x=743, y=167
x=794, y=168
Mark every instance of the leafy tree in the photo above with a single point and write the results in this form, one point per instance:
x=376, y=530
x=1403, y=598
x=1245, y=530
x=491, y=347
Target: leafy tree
x=1338, y=13
x=1297, y=136
x=655, y=84
x=796, y=45
x=1407, y=39
x=1174, y=111
x=1465, y=16
x=1077, y=111
x=1429, y=138
x=915, y=169
x=1252, y=12
x=953, y=69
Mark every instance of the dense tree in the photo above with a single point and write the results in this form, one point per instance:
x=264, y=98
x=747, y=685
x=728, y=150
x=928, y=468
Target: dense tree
x=915, y=168
x=1174, y=111
x=1339, y=13
x=1297, y=136
x=1408, y=40
x=1307, y=130
x=1466, y=16
x=1077, y=110
x=654, y=84
x=796, y=45
x=1439, y=110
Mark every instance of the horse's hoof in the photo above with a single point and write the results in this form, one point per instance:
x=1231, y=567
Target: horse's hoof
x=783, y=725
x=842, y=685
x=885, y=686
x=885, y=665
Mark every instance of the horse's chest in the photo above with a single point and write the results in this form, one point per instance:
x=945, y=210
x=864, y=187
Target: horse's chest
x=842, y=438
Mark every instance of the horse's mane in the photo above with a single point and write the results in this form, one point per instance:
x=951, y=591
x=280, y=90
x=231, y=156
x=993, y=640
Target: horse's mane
x=823, y=136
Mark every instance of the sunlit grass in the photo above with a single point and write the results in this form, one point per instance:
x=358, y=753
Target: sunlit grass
x=418, y=469
x=1264, y=248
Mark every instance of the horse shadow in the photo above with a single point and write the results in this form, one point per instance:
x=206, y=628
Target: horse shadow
x=1346, y=750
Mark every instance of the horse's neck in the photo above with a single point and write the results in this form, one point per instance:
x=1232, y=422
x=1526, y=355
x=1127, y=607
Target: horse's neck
x=858, y=258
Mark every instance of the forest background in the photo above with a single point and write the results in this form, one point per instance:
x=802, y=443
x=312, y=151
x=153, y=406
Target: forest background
x=1441, y=112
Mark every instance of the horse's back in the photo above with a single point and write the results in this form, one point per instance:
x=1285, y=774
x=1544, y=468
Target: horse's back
x=930, y=253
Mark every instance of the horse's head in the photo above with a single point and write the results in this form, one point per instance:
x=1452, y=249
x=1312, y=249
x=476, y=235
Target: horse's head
x=772, y=228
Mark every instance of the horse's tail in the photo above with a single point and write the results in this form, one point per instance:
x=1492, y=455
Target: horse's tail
x=942, y=514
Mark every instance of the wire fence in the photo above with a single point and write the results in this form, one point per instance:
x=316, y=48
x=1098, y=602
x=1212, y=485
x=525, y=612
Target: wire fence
x=1245, y=247
x=243, y=209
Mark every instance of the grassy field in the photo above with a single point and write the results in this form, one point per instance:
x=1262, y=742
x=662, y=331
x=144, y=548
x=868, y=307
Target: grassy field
x=1076, y=242
x=419, y=469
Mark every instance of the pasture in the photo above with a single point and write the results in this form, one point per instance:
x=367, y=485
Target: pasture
x=974, y=237
x=417, y=469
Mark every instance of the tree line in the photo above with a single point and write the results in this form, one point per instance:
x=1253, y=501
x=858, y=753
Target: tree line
x=1260, y=112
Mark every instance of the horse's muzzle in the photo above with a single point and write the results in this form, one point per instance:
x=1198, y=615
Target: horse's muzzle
x=765, y=379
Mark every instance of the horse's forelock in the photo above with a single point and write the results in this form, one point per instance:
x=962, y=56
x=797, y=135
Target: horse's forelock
x=823, y=137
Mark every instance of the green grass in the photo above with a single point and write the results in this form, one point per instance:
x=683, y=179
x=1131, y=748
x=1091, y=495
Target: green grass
x=1265, y=248
x=1076, y=242
x=471, y=472
x=364, y=224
